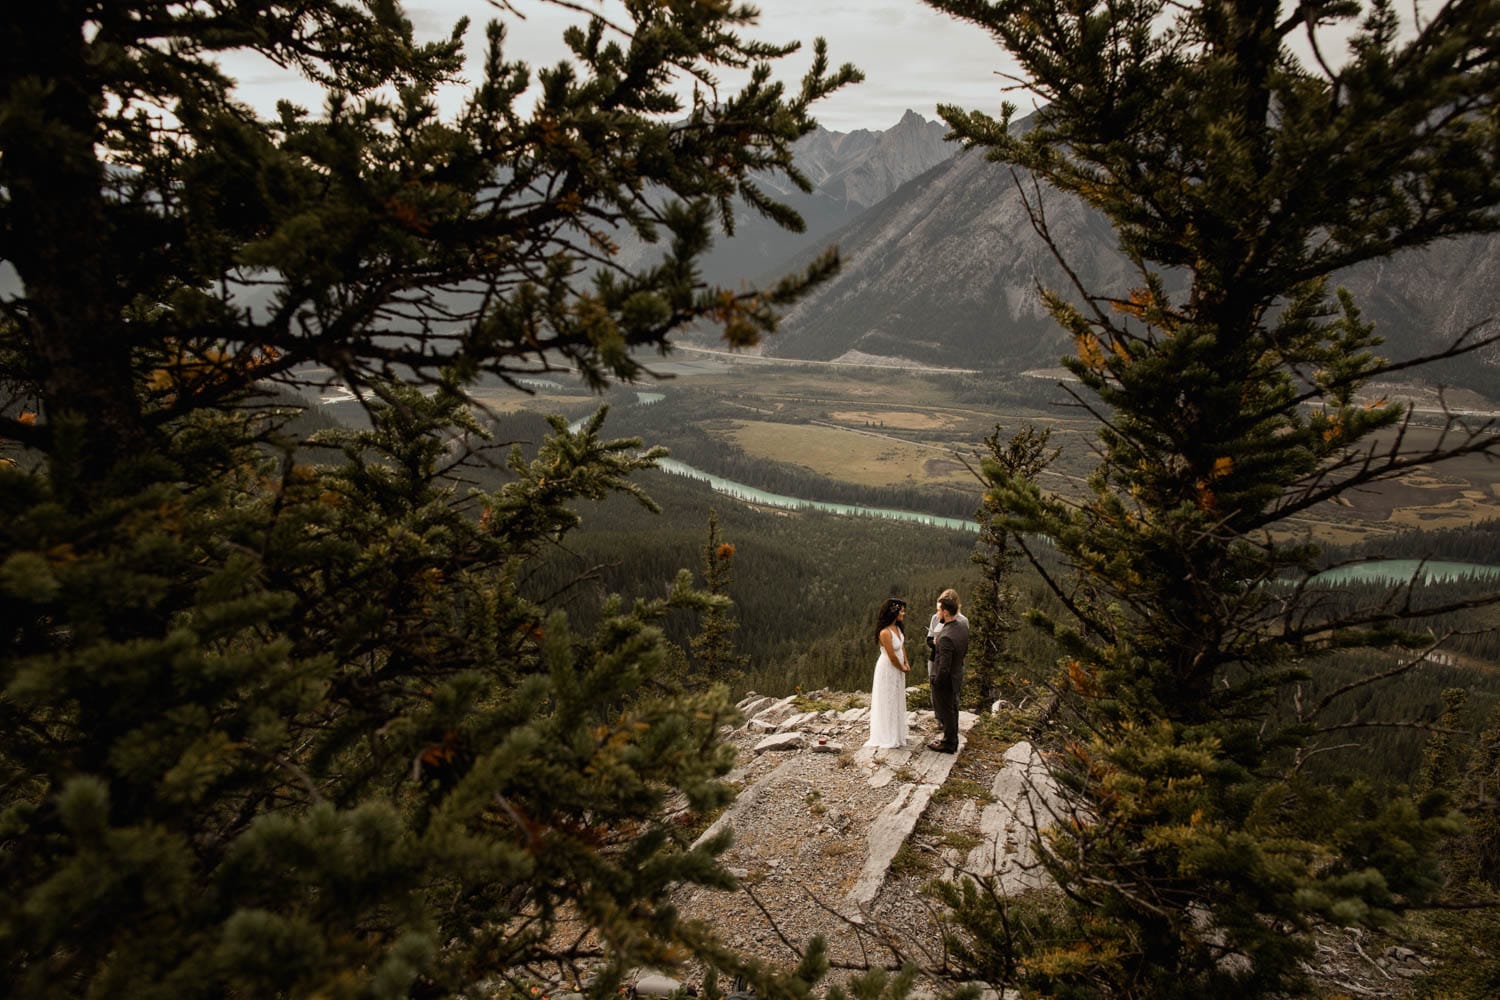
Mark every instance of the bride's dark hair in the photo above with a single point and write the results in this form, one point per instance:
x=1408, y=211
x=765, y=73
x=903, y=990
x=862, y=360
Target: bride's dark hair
x=889, y=612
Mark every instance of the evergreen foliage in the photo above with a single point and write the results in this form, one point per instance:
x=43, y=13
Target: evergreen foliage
x=994, y=617
x=1476, y=543
x=1194, y=852
x=1480, y=791
x=1470, y=967
x=713, y=648
x=273, y=728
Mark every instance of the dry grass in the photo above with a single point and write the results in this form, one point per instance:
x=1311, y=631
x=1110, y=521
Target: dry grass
x=1462, y=495
x=860, y=457
x=840, y=848
x=509, y=401
x=904, y=420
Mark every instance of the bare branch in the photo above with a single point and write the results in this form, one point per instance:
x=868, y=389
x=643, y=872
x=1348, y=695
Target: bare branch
x=770, y=920
x=1400, y=668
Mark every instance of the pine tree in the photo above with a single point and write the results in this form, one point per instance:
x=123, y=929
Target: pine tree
x=1482, y=803
x=995, y=614
x=275, y=728
x=713, y=644
x=1467, y=966
x=1229, y=386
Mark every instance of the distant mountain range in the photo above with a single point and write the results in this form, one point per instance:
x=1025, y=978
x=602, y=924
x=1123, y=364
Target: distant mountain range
x=946, y=266
x=851, y=172
x=946, y=269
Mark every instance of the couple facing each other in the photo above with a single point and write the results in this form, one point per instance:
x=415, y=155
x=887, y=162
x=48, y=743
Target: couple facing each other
x=948, y=640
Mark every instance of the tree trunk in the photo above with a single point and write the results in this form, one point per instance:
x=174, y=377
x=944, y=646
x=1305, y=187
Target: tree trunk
x=54, y=179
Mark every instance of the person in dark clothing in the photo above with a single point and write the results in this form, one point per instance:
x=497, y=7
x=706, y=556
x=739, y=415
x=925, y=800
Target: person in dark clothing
x=936, y=625
x=951, y=645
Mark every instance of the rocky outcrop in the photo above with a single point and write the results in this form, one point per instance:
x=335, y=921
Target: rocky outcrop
x=917, y=773
x=842, y=843
x=827, y=831
x=1023, y=803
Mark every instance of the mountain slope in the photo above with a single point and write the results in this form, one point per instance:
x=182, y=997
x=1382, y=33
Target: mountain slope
x=949, y=267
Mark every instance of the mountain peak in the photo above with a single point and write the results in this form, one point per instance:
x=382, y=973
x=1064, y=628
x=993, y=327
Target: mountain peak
x=850, y=172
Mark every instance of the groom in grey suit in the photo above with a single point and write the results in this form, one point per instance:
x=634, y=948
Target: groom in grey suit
x=948, y=672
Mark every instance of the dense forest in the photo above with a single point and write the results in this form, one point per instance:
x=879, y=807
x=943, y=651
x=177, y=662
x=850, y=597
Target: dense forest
x=805, y=585
x=1477, y=543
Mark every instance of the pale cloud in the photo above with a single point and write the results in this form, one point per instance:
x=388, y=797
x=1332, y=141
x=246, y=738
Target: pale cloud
x=912, y=57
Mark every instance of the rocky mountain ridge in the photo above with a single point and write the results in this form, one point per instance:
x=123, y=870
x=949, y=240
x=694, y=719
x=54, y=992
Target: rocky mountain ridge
x=863, y=167
x=950, y=266
x=850, y=172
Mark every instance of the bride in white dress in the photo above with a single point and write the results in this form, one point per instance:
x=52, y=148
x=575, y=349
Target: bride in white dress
x=888, y=693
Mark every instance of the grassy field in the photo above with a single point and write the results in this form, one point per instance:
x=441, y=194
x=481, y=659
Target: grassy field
x=877, y=428
x=1456, y=493
x=863, y=457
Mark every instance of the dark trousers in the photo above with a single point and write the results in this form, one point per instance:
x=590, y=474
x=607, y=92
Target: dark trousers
x=945, y=706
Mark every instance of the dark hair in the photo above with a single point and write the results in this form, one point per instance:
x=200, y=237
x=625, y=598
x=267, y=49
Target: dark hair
x=889, y=612
x=948, y=604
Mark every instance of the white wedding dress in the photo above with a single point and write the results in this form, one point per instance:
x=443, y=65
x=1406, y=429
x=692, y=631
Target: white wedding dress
x=888, y=700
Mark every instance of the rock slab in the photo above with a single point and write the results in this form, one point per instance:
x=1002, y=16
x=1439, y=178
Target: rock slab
x=1025, y=802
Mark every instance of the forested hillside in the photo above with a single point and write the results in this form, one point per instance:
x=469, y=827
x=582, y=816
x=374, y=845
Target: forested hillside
x=805, y=585
x=1477, y=544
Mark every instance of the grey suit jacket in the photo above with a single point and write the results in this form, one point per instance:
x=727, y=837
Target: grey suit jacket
x=952, y=646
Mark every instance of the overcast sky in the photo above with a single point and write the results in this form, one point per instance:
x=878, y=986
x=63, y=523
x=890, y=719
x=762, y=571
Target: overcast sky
x=912, y=57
